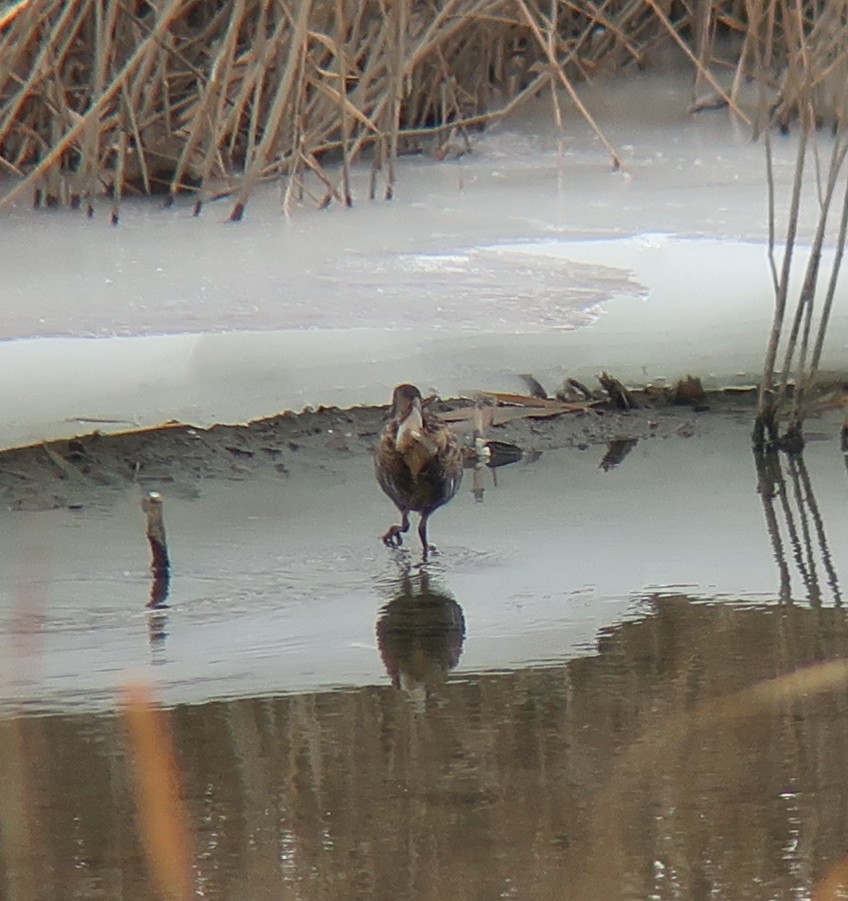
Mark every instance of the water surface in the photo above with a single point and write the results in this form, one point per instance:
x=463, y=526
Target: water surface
x=566, y=703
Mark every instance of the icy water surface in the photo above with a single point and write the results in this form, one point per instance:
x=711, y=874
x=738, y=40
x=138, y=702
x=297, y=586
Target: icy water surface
x=560, y=705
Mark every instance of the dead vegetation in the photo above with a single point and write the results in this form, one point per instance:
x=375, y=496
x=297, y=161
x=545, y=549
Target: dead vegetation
x=209, y=97
x=813, y=89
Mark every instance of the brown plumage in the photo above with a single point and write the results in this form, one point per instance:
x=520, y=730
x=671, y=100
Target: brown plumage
x=418, y=462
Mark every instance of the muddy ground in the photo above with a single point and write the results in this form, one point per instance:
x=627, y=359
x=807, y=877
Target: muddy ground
x=175, y=459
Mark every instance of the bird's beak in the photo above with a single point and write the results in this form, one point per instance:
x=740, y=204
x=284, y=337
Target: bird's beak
x=411, y=425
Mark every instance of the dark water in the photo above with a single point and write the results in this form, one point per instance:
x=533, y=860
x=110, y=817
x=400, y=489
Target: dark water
x=690, y=751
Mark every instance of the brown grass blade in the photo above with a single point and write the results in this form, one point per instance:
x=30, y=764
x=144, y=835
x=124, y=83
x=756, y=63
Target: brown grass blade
x=164, y=823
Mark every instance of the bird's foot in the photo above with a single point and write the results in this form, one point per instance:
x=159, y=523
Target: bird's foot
x=429, y=550
x=394, y=537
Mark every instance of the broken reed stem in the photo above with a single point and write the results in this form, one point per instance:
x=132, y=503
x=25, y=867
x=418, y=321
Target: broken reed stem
x=151, y=506
x=341, y=56
x=278, y=108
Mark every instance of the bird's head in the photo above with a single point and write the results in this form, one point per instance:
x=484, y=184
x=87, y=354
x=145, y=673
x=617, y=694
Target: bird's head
x=406, y=409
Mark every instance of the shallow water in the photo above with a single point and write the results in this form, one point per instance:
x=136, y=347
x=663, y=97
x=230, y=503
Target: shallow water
x=277, y=580
x=555, y=706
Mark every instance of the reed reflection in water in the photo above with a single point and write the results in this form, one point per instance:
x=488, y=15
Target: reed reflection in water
x=795, y=526
x=596, y=777
x=695, y=752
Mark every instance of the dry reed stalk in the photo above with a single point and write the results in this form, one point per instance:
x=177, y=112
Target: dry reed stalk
x=117, y=185
x=566, y=83
x=396, y=13
x=836, y=268
x=701, y=69
x=164, y=823
x=295, y=180
x=98, y=106
x=136, y=133
x=702, y=24
x=765, y=427
x=9, y=15
x=210, y=110
x=341, y=57
x=806, y=300
x=254, y=85
x=598, y=18
x=38, y=67
x=277, y=110
x=803, y=72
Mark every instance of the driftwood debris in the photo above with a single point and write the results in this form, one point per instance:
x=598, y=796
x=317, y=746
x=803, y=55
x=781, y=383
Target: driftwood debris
x=534, y=386
x=572, y=390
x=619, y=396
x=688, y=391
x=503, y=407
x=151, y=506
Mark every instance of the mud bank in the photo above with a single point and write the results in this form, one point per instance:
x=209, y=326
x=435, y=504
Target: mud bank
x=90, y=468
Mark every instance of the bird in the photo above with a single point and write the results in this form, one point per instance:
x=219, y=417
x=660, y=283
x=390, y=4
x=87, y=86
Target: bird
x=418, y=463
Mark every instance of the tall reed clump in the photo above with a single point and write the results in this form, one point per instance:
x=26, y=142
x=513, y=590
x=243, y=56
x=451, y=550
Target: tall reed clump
x=210, y=96
x=805, y=51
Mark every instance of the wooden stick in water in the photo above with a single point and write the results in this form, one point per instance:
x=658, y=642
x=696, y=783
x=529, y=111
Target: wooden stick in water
x=151, y=506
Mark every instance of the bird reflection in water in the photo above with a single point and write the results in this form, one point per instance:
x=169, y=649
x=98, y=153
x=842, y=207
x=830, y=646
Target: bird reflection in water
x=420, y=633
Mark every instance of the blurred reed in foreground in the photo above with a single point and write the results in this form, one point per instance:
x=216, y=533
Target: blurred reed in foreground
x=164, y=825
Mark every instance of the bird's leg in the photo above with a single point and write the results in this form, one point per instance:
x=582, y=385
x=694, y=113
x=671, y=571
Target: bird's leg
x=394, y=538
x=422, y=534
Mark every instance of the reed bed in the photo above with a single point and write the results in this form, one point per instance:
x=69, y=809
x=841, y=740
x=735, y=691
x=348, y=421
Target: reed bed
x=812, y=44
x=210, y=97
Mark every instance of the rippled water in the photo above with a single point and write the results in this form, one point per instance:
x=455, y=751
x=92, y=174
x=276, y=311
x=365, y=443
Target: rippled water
x=592, y=692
